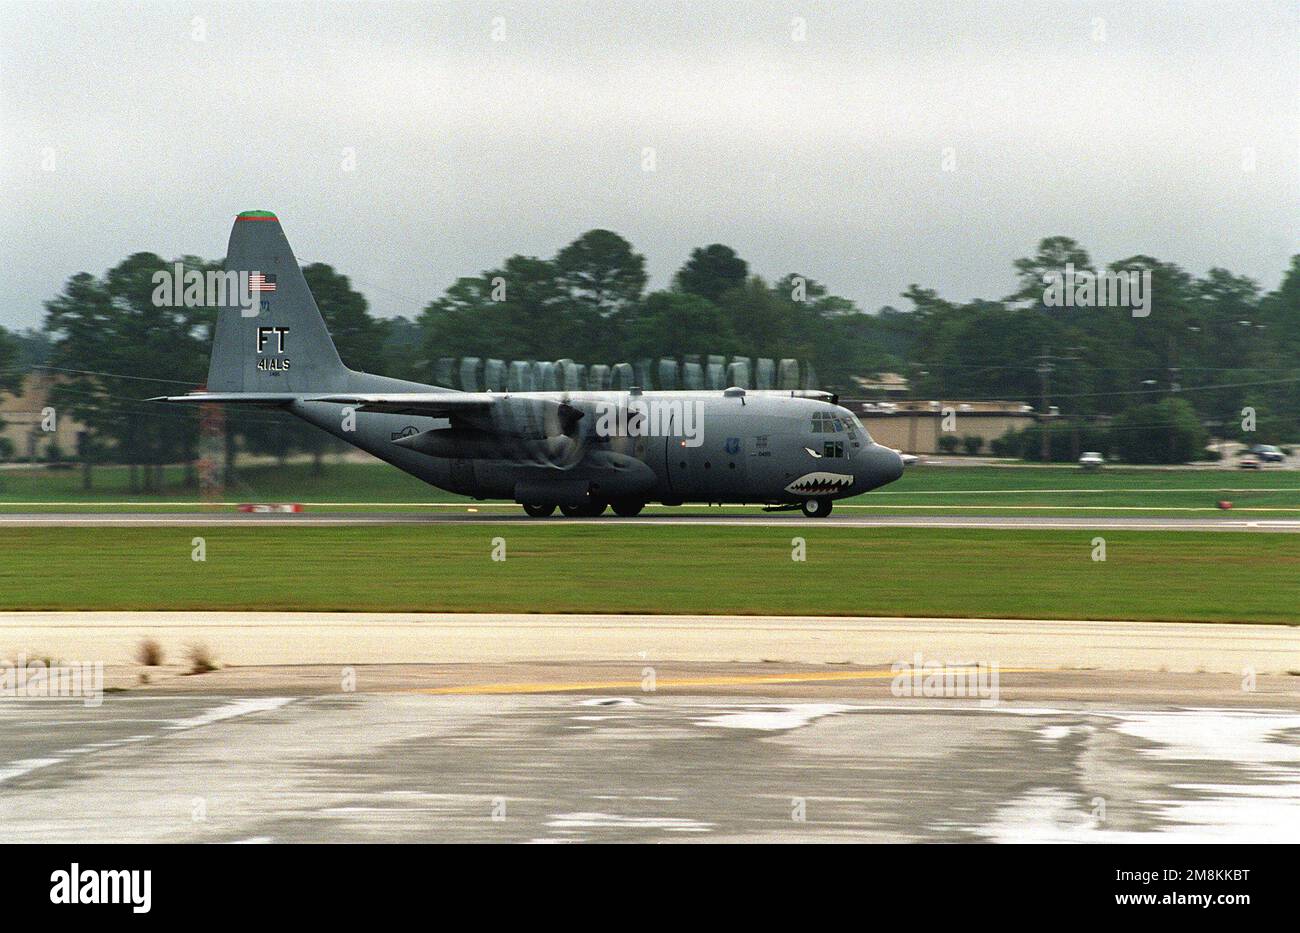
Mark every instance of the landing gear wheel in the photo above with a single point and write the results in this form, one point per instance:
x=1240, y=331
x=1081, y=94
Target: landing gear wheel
x=538, y=510
x=627, y=507
x=817, y=508
x=585, y=510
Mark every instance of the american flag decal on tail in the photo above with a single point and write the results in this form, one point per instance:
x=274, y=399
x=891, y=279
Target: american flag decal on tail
x=260, y=282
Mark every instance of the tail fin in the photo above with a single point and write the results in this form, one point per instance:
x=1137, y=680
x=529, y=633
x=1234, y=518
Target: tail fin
x=280, y=342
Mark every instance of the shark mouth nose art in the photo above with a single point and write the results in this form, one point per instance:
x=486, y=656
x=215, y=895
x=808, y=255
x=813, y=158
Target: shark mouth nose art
x=820, y=484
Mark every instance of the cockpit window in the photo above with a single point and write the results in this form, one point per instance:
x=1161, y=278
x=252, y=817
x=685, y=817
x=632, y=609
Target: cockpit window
x=855, y=428
x=833, y=449
x=824, y=422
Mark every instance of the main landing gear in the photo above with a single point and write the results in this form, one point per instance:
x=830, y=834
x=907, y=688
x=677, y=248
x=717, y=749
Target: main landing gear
x=596, y=507
x=816, y=508
x=586, y=510
x=628, y=508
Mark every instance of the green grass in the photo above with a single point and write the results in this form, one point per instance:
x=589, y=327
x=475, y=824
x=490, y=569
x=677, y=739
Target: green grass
x=960, y=478
x=294, y=482
x=555, y=566
x=970, y=490
x=1070, y=487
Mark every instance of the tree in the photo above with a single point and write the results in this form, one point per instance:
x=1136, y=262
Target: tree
x=455, y=324
x=762, y=320
x=1054, y=254
x=675, y=325
x=518, y=311
x=986, y=350
x=1278, y=349
x=11, y=370
x=1166, y=431
x=33, y=347
x=403, y=341
x=1269, y=425
x=358, y=336
x=587, y=304
x=119, y=344
x=711, y=271
x=927, y=301
x=11, y=376
x=600, y=270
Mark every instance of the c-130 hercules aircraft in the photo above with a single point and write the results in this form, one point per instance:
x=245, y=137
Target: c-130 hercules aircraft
x=579, y=451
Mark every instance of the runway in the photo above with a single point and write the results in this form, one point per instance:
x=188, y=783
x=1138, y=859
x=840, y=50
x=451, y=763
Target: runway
x=642, y=768
x=780, y=519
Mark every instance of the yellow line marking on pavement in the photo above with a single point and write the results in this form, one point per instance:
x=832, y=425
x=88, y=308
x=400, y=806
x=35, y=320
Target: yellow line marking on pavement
x=730, y=681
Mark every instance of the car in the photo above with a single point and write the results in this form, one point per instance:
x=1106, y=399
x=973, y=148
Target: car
x=1249, y=462
x=1092, y=460
x=1267, y=453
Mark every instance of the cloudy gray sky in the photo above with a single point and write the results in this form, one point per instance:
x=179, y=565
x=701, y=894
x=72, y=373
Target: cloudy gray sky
x=1128, y=126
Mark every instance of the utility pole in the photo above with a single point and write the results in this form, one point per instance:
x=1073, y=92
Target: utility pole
x=1174, y=389
x=1045, y=369
x=213, y=437
x=1046, y=366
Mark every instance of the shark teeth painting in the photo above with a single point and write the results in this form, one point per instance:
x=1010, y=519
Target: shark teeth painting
x=820, y=484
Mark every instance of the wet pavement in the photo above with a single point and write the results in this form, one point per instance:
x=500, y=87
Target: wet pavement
x=641, y=767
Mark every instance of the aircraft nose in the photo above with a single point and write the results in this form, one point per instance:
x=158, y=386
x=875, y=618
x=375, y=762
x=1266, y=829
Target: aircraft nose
x=881, y=465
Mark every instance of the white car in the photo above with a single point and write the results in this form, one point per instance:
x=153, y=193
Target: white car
x=1092, y=460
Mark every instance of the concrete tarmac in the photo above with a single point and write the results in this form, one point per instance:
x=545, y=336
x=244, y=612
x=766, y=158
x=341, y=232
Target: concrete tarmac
x=637, y=767
x=346, y=638
x=387, y=727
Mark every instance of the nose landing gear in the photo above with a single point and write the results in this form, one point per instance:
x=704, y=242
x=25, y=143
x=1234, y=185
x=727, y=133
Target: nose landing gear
x=816, y=508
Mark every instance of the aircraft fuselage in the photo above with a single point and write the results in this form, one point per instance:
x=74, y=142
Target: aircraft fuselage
x=669, y=447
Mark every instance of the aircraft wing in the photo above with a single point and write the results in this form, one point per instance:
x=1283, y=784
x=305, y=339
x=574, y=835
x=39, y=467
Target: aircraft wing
x=435, y=404
x=492, y=411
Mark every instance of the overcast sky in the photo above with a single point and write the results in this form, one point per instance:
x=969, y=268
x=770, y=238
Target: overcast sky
x=1127, y=126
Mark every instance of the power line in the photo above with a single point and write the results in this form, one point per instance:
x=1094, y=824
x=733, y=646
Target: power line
x=92, y=372
x=1155, y=391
